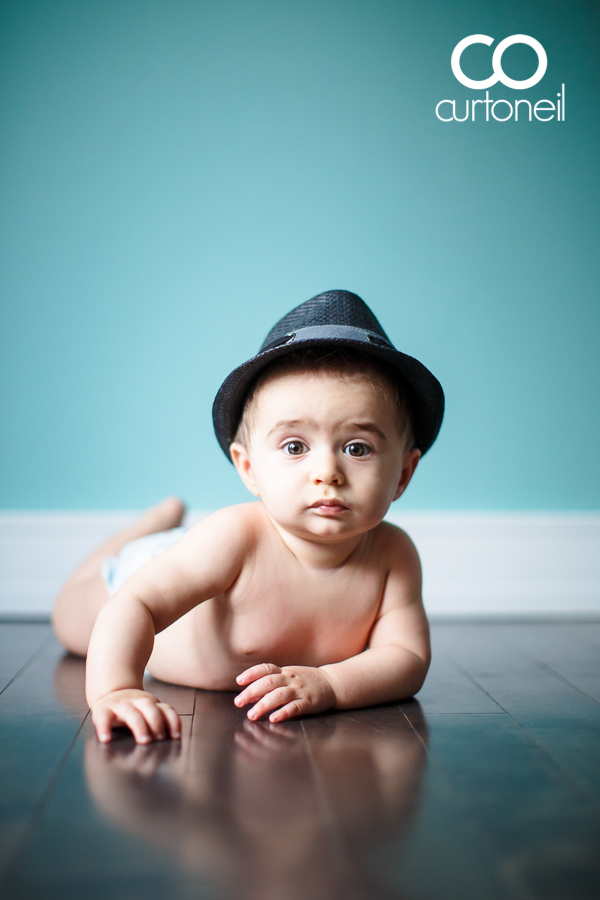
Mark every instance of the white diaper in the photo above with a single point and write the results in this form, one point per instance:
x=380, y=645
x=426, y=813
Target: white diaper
x=117, y=569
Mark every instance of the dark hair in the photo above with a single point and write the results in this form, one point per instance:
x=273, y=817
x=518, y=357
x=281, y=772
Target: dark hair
x=346, y=361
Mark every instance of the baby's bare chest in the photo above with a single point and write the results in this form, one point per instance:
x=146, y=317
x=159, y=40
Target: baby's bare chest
x=310, y=618
x=272, y=614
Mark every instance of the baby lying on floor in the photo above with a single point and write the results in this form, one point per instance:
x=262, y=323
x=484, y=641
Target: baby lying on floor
x=305, y=600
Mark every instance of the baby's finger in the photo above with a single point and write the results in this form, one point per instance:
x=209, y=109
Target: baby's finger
x=172, y=719
x=259, y=688
x=289, y=711
x=153, y=717
x=103, y=720
x=273, y=699
x=258, y=671
x=136, y=723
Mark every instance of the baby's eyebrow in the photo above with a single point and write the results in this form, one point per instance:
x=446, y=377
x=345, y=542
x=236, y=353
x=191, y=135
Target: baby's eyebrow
x=368, y=426
x=291, y=424
x=286, y=424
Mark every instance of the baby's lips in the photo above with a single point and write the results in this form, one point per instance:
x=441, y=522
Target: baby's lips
x=335, y=502
x=330, y=509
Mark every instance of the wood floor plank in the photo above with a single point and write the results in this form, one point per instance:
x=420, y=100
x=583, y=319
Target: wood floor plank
x=570, y=655
x=402, y=826
x=178, y=696
x=446, y=855
x=83, y=843
x=231, y=811
x=18, y=642
x=563, y=720
x=545, y=828
x=392, y=807
x=244, y=810
x=69, y=682
x=448, y=690
x=273, y=835
x=590, y=631
x=38, y=724
x=484, y=786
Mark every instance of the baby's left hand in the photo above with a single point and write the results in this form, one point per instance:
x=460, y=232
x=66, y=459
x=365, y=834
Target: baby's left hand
x=296, y=690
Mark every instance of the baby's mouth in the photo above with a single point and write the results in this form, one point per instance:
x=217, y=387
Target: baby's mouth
x=329, y=507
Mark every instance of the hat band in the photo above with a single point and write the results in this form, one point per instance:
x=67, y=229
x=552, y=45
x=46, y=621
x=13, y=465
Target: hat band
x=328, y=333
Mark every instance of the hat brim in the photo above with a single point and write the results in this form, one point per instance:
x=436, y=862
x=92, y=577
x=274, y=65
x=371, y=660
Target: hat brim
x=426, y=396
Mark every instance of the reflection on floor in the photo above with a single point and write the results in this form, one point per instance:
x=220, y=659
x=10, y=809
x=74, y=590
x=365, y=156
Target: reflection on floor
x=486, y=786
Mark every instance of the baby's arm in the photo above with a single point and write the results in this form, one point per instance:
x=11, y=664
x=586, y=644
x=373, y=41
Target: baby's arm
x=202, y=564
x=393, y=667
x=395, y=663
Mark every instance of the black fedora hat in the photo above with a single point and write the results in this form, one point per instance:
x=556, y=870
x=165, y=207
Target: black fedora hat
x=343, y=319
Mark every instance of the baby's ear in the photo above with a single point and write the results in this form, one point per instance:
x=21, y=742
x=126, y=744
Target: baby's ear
x=241, y=461
x=410, y=463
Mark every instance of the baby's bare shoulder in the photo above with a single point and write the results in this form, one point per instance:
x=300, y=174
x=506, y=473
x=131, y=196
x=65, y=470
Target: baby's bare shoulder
x=213, y=552
x=240, y=525
x=397, y=548
x=403, y=570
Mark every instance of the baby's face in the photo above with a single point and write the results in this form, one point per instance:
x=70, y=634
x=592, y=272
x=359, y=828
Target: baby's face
x=325, y=456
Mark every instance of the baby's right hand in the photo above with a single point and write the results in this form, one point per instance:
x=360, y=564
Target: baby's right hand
x=143, y=713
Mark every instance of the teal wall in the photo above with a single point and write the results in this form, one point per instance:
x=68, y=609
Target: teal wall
x=177, y=174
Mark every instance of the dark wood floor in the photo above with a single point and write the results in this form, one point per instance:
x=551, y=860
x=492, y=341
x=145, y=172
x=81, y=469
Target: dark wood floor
x=487, y=787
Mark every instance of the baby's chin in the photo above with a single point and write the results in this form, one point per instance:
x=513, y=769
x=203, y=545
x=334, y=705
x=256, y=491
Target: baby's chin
x=325, y=528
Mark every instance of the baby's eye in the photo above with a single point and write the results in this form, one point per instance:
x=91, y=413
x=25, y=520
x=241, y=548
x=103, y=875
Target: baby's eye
x=357, y=449
x=295, y=448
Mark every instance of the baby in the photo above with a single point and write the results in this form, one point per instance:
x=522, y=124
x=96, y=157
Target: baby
x=305, y=600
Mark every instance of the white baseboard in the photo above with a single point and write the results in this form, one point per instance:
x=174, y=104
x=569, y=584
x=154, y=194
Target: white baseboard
x=474, y=564
x=507, y=563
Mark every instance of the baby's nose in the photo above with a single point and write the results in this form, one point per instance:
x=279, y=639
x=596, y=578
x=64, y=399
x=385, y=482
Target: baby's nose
x=326, y=468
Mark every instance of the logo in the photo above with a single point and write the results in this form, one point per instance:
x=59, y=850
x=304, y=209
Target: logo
x=542, y=110
x=499, y=74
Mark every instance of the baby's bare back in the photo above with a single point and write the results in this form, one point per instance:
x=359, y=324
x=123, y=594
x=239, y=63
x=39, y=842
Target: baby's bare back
x=276, y=611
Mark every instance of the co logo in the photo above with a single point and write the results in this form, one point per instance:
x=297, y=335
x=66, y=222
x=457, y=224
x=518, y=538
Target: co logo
x=499, y=74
